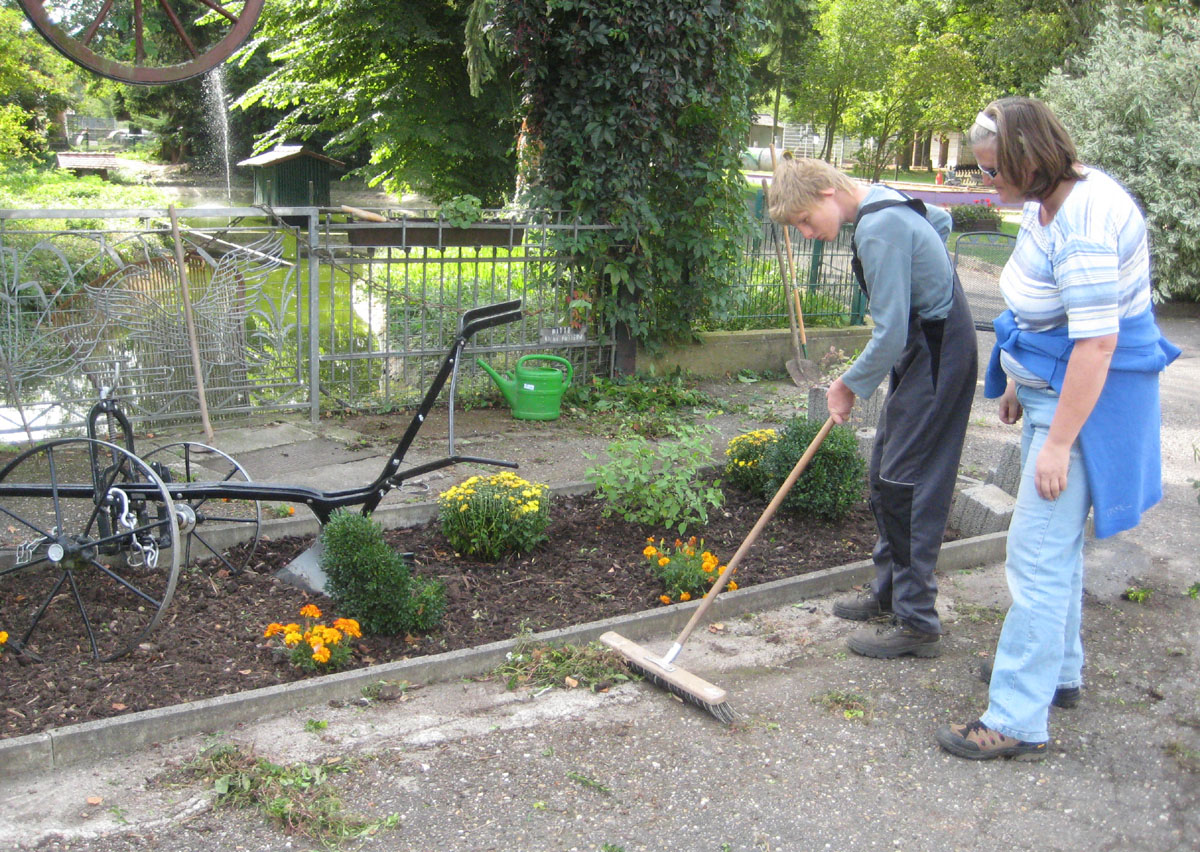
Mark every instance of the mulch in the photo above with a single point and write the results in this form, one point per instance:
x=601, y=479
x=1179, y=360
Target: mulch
x=210, y=639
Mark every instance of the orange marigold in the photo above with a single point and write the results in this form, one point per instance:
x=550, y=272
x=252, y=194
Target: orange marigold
x=272, y=629
x=685, y=596
x=310, y=611
x=321, y=654
x=664, y=598
x=348, y=626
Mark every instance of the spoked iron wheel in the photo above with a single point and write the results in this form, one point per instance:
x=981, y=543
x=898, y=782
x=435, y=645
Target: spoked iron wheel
x=209, y=525
x=88, y=555
x=147, y=42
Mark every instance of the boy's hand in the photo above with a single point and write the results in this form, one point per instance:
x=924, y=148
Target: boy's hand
x=839, y=399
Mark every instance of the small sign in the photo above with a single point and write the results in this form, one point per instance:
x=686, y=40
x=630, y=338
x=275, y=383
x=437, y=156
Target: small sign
x=562, y=334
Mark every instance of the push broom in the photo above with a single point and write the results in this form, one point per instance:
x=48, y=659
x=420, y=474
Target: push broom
x=661, y=670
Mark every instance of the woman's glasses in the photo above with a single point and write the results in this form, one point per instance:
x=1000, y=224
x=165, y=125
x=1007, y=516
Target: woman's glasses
x=989, y=172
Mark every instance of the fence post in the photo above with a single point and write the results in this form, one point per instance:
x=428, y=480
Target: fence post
x=314, y=320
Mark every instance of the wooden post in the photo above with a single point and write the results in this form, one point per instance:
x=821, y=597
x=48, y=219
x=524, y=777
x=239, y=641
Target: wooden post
x=189, y=319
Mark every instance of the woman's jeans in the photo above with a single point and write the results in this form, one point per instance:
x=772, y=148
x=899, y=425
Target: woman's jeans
x=1040, y=648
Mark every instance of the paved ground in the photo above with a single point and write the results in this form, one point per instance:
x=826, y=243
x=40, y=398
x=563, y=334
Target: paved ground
x=469, y=766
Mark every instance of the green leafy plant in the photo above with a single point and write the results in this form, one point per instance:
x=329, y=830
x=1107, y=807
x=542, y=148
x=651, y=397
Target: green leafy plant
x=315, y=726
x=374, y=583
x=744, y=455
x=1137, y=594
x=461, y=211
x=685, y=570
x=851, y=705
x=658, y=483
x=643, y=404
x=1194, y=591
x=980, y=216
x=298, y=797
x=834, y=481
x=491, y=517
x=314, y=646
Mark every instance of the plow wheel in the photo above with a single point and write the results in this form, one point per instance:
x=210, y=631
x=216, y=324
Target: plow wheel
x=227, y=522
x=88, y=555
x=147, y=42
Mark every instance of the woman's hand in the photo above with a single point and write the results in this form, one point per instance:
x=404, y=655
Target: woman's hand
x=1050, y=473
x=1010, y=409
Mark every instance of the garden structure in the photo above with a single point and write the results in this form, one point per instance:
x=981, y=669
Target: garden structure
x=101, y=532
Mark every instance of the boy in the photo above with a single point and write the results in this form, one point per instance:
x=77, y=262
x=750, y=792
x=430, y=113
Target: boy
x=925, y=338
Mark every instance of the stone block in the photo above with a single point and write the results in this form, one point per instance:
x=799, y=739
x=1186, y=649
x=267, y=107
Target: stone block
x=1006, y=475
x=982, y=509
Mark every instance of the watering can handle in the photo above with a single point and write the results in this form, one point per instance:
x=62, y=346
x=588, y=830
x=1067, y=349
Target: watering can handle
x=564, y=361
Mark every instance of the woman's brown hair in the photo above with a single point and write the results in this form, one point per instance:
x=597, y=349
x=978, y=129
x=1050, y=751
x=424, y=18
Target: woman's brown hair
x=1033, y=149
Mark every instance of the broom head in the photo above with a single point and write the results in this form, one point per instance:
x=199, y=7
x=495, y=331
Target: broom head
x=678, y=681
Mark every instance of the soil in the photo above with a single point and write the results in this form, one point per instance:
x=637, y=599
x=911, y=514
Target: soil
x=210, y=640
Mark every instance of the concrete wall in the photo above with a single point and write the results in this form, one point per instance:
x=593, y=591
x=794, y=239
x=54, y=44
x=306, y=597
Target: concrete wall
x=724, y=352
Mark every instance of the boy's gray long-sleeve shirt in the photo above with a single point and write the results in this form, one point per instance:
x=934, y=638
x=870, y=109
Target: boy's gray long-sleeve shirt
x=908, y=270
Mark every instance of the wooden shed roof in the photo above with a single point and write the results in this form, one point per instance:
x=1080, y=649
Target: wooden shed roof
x=282, y=153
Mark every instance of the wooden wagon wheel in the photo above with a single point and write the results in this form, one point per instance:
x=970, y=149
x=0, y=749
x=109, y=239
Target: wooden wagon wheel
x=89, y=551
x=147, y=42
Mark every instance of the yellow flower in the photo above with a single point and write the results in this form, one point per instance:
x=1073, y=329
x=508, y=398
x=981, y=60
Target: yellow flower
x=348, y=626
x=310, y=611
x=650, y=552
x=321, y=654
x=292, y=638
x=685, y=596
x=272, y=629
x=732, y=586
x=332, y=635
x=663, y=562
x=664, y=599
x=291, y=628
x=3, y=636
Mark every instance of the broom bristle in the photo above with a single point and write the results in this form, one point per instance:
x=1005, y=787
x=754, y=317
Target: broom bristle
x=677, y=681
x=723, y=711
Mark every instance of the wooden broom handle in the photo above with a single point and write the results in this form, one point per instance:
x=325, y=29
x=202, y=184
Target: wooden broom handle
x=766, y=516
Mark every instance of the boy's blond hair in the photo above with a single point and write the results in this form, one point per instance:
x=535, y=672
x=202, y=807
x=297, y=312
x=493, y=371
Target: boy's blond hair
x=798, y=183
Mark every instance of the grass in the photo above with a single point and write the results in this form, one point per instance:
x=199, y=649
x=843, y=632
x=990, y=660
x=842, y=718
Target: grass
x=851, y=705
x=542, y=665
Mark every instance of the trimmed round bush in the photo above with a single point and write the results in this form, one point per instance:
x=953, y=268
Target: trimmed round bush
x=834, y=482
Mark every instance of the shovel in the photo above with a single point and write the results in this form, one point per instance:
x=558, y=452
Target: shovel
x=802, y=371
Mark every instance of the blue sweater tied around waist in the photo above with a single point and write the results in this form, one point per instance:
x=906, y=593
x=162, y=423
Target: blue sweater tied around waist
x=1120, y=440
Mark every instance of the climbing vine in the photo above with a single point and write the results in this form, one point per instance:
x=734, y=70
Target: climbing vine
x=636, y=115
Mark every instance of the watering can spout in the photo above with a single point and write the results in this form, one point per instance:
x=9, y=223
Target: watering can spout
x=507, y=385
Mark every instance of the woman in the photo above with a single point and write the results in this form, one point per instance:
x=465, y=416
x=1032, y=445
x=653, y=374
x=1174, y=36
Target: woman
x=1078, y=354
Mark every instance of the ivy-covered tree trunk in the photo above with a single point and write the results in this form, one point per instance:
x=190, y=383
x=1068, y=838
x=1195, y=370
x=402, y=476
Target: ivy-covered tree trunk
x=639, y=113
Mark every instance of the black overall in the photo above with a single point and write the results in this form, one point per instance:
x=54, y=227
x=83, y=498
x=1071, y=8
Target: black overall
x=918, y=443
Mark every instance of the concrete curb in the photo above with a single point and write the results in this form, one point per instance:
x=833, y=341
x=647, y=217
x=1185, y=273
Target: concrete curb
x=108, y=738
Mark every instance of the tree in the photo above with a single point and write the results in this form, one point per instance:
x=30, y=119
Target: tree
x=856, y=45
x=36, y=85
x=391, y=77
x=787, y=39
x=1133, y=107
x=639, y=113
x=931, y=86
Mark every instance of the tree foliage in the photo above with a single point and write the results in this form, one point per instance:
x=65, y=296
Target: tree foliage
x=1133, y=109
x=391, y=77
x=36, y=85
x=638, y=113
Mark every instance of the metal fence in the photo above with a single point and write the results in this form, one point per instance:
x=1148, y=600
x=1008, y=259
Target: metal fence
x=283, y=310
x=979, y=257
x=304, y=309
x=825, y=284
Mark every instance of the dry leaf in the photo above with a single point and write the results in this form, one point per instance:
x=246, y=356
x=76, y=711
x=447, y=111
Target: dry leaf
x=119, y=706
x=94, y=800
x=245, y=671
x=719, y=627
x=570, y=682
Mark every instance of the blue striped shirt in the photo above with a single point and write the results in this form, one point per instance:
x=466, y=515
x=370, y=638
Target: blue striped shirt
x=1087, y=269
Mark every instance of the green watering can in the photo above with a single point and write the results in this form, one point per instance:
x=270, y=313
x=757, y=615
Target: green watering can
x=533, y=393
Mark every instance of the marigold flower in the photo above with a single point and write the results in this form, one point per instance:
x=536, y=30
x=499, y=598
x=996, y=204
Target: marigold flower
x=664, y=598
x=732, y=586
x=685, y=596
x=650, y=552
x=292, y=628
x=273, y=628
x=292, y=638
x=3, y=636
x=310, y=611
x=663, y=562
x=321, y=654
x=348, y=626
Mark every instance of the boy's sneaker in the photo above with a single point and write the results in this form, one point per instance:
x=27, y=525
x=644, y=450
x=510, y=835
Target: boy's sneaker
x=976, y=741
x=896, y=640
x=859, y=607
x=1065, y=697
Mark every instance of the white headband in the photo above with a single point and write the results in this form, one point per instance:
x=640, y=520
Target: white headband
x=986, y=122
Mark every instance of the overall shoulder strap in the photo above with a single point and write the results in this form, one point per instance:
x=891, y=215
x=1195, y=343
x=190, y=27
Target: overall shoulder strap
x=915, y=204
